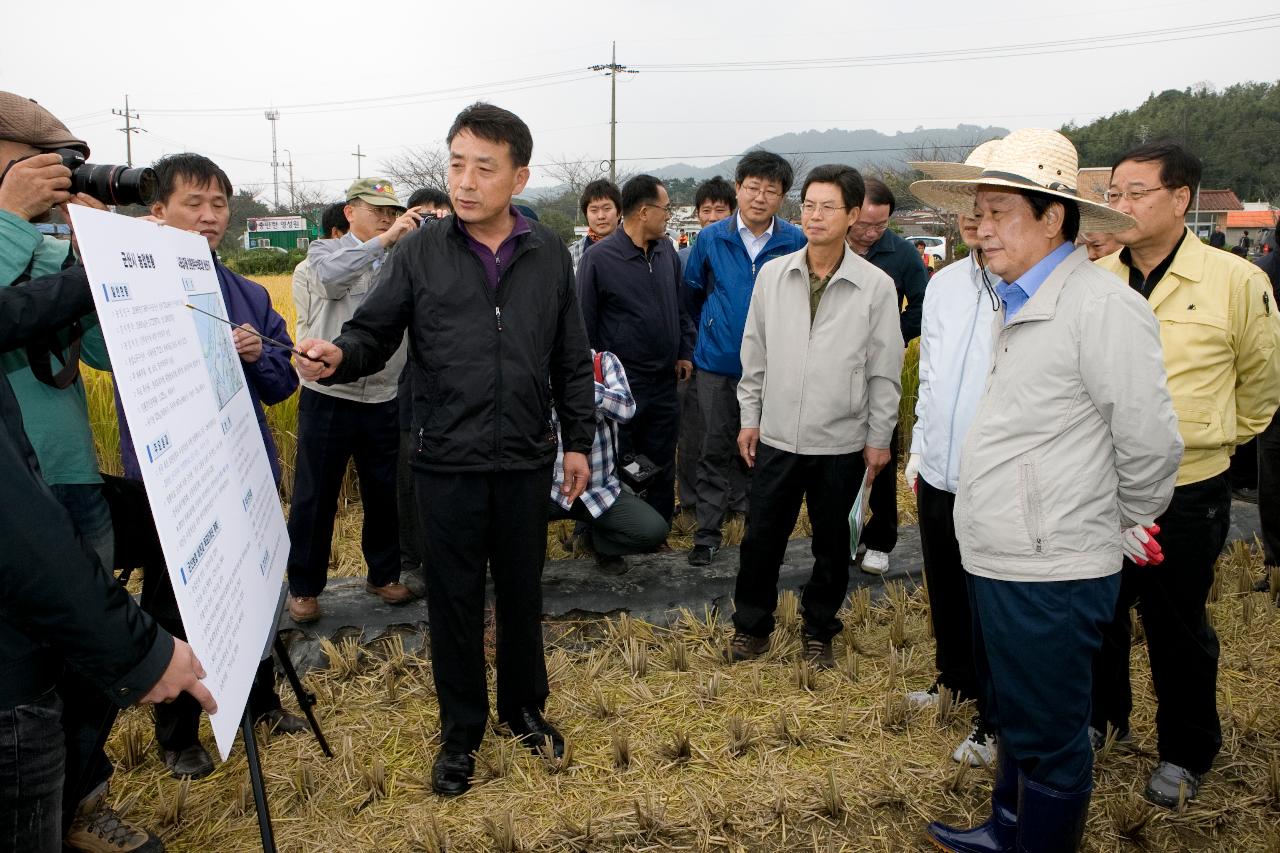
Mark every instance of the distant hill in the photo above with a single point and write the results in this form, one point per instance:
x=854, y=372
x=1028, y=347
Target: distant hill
x=1234, y=131
x=862, y=149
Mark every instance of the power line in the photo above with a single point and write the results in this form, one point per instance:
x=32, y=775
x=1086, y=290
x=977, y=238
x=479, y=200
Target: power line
x=1100, y=42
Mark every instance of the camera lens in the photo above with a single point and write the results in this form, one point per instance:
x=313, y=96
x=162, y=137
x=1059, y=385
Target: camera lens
x=116, y=185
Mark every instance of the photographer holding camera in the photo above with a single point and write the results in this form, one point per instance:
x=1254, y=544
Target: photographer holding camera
x=60, y=606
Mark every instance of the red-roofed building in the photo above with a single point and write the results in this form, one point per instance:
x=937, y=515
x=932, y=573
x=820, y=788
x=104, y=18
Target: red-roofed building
x=1213, y=209
x=1258, y=223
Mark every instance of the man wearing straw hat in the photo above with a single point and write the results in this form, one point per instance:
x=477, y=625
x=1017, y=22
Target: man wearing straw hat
x=1065, y=467
x=955, y=357
x=1219, y=329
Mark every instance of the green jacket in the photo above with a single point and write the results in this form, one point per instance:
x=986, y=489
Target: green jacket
x=56, y=421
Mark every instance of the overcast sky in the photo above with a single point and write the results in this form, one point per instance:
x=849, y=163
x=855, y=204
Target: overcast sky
x=386, y=76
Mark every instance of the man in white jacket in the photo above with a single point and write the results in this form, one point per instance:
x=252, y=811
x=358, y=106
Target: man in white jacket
x=1069, y=459
x=821, y=380
x=955, y=357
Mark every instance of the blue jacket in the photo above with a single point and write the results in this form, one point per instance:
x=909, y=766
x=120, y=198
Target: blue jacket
x=271, y=377
x=719, y=276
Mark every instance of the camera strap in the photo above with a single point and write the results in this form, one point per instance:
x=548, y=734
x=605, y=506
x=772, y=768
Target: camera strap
x=42, y=350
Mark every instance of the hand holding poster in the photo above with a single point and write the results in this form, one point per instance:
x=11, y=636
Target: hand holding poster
x=196, y=434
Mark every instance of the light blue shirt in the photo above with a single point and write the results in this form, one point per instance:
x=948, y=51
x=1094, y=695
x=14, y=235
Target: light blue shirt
x=1017, y=294
x=753, y=244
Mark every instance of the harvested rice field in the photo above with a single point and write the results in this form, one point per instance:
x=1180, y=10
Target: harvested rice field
x=673, y=750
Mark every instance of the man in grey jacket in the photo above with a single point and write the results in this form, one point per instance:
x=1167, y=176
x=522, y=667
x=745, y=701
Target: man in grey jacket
x=1069, y=459
x=821, y=379
x=357, y=420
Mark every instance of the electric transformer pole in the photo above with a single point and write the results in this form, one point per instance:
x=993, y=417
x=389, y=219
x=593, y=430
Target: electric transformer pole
x=273, y=116
x=128, y=130
x=614, y=70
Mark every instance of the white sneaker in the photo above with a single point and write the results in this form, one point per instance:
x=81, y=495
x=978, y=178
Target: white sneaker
x=978, y=749
x=923, y=698
x=875, y=562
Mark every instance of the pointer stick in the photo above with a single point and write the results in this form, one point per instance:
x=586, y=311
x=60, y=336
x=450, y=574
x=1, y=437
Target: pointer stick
x=280, y=344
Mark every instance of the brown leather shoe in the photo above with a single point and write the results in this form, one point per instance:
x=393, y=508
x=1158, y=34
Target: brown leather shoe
x=304, y=608
x=392, y=593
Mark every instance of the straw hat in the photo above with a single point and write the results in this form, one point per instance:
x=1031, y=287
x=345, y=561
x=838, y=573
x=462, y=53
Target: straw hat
x=970, y=168
x=1033, y=158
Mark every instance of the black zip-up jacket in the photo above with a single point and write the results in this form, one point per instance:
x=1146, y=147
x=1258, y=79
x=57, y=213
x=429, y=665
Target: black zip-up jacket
x=481, y=359
x=57, y=603
x=901, y=261
x=632, y=305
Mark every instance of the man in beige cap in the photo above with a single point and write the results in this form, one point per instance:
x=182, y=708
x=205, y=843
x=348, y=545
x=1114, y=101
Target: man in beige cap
x=66, y=726
x=358, y=419
x=1065, y=467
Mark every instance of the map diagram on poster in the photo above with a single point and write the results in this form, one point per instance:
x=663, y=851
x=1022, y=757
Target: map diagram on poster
x=216, y=347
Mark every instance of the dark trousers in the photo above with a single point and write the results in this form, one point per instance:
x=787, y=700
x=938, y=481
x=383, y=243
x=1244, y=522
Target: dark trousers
x=87, y=714
x=407, y=508
x=779, y=482
x=1244, y=465
x=718, y=401
x=332, y=431
x=881, y=530
x=654, y=431
x=31, y=775
x=470, y=521
x=690, y=448
x=948, y=583
x=1181, y=642
x=1033, y=648
x=1269, y=491
x=630, y=526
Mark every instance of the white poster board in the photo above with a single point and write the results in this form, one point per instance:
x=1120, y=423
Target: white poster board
x=196, y=435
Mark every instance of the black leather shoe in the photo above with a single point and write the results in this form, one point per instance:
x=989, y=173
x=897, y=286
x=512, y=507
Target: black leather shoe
x=280, y=721
x=534, y=731
x=702, y=555
x=451, y=774
x=193, y=761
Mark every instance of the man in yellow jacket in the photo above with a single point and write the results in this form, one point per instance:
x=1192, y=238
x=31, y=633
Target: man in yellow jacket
x=1219, y=329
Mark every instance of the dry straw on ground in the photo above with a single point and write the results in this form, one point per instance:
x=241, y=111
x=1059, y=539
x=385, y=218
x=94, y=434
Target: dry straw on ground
x=692, y=755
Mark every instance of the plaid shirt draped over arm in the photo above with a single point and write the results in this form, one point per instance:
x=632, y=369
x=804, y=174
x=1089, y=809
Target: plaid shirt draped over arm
x=614, y=405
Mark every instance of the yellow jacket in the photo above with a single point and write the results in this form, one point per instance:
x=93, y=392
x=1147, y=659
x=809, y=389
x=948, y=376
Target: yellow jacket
x=1220, y=330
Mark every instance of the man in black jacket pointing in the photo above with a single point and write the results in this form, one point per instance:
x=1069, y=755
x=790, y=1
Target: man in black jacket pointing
x=495, y=335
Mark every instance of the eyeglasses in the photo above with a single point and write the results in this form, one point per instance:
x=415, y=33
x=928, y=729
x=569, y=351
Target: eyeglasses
x=1113, y=196
x=811, y=208
x=868, y=227
x=665, y=208
x=382, y=211
x=768, y=193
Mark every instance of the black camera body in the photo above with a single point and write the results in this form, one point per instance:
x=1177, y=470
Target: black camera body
x=637, y=472
x=117, y=185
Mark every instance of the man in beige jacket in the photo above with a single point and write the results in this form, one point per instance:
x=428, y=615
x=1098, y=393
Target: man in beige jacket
x=821, y=378
x=1070, y=458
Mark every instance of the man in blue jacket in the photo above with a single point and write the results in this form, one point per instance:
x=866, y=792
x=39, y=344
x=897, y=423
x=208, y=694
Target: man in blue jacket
x=719, y=276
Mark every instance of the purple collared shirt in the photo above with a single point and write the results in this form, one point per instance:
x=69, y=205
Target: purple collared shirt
x=495, y=262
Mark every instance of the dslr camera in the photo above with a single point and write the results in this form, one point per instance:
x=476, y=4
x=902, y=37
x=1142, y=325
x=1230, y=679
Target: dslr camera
x=115, y=185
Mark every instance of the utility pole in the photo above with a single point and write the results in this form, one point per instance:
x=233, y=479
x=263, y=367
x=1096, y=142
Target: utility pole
x=359, y=157
x=293, y=198
x=614, y=70
x=273, y=116
x=128, y=130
